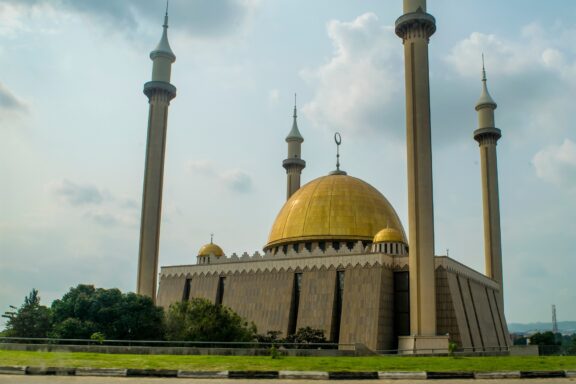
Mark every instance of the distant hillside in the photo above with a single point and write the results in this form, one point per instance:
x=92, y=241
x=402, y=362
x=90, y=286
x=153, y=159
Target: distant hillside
x=563, y=326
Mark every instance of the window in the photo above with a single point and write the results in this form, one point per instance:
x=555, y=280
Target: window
x=220, y=290
x=337, y=311
x=295, y=304
x=186, y=293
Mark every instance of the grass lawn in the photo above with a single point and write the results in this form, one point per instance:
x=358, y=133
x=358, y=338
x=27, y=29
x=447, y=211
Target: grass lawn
x=222, y=363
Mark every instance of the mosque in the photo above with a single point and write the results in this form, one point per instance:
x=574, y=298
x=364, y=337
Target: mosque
x=338, y=257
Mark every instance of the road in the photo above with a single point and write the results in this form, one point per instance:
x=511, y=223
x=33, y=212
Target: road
x=9, y=379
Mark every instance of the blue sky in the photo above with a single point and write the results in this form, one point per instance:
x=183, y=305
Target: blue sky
x=73, y=131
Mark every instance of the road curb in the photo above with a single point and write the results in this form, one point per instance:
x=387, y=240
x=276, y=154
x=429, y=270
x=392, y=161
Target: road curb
x=151, y=373
x=287, y=375
x=541, y=374
x=203, y=374
x=253, y=374
x=353, y=375
x=303, y=375
x=50, y=371
x=105, y=372
x=402, y=375
x=449, y=375
x=12, y=370
x=497, y=375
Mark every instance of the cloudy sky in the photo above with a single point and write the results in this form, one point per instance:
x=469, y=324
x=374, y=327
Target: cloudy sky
x=73, y=131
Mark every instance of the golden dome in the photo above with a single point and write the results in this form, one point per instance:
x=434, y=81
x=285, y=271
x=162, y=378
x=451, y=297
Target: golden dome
x=389, y=235
x=209, y=249
x=333, y=207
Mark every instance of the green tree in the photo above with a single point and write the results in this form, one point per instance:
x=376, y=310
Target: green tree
x=85, y=310
x=30, y=320
x=201, y=320
x=548, y=343
x=307, y=335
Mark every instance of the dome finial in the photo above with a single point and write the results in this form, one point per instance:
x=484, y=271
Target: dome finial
x=338, y=141
x=211, y=238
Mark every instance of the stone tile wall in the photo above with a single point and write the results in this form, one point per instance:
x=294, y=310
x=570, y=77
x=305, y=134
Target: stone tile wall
x=367, y=316
x=317, y=299
x=170, y=290
x=261, y=297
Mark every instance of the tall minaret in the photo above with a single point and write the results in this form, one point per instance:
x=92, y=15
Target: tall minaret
x=415, y=27
x=293, y=163
x=159, y=92
x=487, y=136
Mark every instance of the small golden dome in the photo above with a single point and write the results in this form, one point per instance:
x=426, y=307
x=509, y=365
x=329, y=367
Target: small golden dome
x=333, y=207
x=389, y=235
x=209, y=249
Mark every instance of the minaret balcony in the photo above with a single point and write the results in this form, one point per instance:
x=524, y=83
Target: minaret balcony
x=415, y=21
x=487, y=133
x=294, y=162
x=152, y=87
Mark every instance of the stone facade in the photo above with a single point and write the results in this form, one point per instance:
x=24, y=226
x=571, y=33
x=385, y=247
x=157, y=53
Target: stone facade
x=373, y=307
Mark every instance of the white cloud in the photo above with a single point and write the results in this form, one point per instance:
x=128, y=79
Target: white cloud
x=501, y=56
x=238, y=181
x=206, y=18
x=9, y=102
x=234, y=180
x=76, y=194
x=359, y=89
x=557, y=164
x=532, y=76
x=95, y=204
x=202, y=167
x=108, y=217
x=273, y=96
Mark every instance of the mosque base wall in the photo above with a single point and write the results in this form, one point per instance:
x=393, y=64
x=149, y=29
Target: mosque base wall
x=372, y=305
x=469, y=309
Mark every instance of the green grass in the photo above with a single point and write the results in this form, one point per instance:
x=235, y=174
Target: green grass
x=218, y=363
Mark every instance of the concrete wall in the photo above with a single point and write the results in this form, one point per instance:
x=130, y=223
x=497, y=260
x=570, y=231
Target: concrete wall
x=468, y=304
x=204, y=286
x=261, y=297
x=446, y=310
x=140, y=350
x=170, y=290
x=317, y=299
x=367, y=307
x=467, y=309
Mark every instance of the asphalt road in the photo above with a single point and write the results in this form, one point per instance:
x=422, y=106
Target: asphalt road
x=26, y=379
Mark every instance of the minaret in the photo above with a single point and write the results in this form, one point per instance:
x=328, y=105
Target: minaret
x=293, y=163
x=159, y=92
x=487, y=136
x=415, y=27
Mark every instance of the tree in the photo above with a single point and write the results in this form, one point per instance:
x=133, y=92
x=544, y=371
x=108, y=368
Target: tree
x=572, y=348
x=201, y=320
x=30, y=320
x=85, y=310
x=307, y=335
x=548, y=343
x=546, y=338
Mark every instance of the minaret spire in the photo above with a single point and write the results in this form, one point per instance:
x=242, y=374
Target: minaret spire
x=487, y=136
x=160, y=92
x=483, y=69
x=293, y=163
